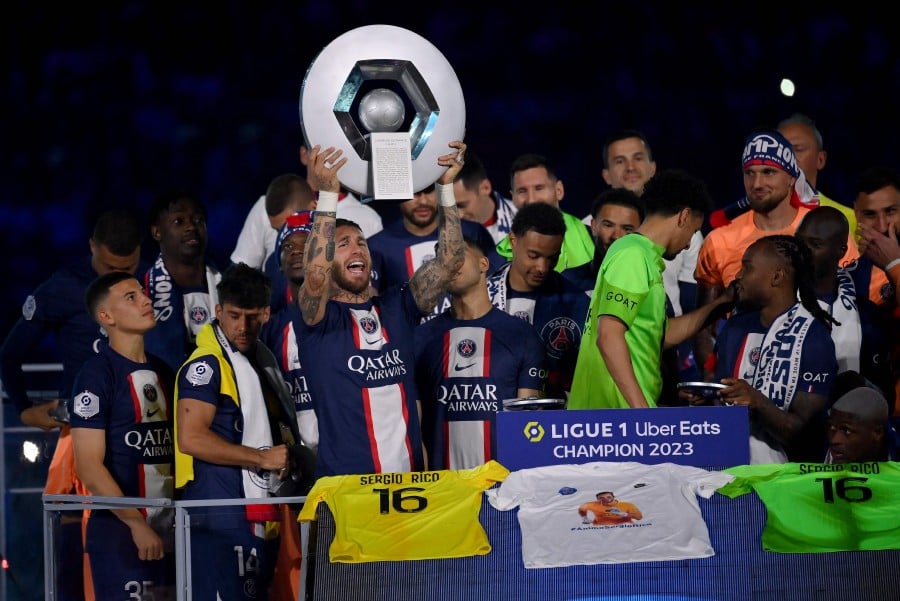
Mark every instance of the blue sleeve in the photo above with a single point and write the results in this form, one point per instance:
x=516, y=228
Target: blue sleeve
x=724, y=351
x=92, y=396
x=22, y=340
x=688, y=294
x=200, y=379
x=375, y=254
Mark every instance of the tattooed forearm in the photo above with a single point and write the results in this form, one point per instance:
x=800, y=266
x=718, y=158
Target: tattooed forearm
x=426, y=287
x=451, y=250
x=430, y=281
x=316, y=287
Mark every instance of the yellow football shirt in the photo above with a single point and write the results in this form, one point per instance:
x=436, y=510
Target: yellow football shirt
x=403, y=516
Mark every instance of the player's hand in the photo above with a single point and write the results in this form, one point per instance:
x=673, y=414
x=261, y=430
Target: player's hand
x=149, y=544
x=276, y=459
x=325, y=165
x=692, y=399
x=454, y=162
x=39, y=416
x=881, y=249
x=739, y=392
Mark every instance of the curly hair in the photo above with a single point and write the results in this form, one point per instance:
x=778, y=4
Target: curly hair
x=798, y=256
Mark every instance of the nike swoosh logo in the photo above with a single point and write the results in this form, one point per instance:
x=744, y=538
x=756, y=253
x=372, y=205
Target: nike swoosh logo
x=379, y=339
x=152, y=413
x=458, y=367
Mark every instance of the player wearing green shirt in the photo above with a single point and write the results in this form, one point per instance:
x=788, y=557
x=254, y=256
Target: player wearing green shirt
x=618, y=364
x=629, y=288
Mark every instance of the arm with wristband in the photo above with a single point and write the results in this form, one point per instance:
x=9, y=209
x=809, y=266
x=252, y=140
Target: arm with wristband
x=319, y=257
x=430, y=281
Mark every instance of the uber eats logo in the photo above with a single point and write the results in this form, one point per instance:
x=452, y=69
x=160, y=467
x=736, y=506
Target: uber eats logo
x=533, y=431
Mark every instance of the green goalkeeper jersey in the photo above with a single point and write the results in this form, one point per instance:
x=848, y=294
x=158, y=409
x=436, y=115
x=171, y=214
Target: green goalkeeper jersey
x=816, y=508
x=630, y=288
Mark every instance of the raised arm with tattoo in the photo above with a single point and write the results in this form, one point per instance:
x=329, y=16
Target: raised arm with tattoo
x=316, y=288
x=429, y=282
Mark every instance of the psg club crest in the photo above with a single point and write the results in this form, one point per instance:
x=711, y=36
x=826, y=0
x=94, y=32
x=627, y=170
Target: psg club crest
x=466, y=348
x=754, y=356
x=149, y=393
x=199, y=315
x=560, y=334
x=368, y=324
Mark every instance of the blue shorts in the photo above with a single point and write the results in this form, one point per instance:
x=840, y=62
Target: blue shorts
x=234, y=564
x=116, y=570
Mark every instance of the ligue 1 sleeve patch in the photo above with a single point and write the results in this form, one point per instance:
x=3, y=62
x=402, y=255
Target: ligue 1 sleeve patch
x=29, y=307
x=87, y=404
x=199, y=373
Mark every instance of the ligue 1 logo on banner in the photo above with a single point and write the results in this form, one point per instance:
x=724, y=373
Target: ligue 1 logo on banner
x=377, y=79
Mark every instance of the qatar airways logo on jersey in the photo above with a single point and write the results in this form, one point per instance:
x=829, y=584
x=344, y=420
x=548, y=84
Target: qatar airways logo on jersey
x=469, y=397
x=378, y=367
x=150, y=442
x=299, y=392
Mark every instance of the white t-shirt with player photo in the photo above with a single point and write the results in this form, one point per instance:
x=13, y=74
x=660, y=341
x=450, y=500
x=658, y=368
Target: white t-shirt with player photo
x=555, y=533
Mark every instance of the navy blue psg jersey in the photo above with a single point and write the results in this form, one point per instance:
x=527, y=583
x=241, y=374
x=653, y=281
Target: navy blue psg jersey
x=396, y=253
x=556, y=311
x=359, y=365
x=56, y=306
x=132, y=402
x=281, y=288
x=739, y=354
x=280, y=335
x=212, y=481
x=465, y=368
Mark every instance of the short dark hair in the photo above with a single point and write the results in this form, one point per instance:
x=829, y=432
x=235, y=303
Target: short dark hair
x=541, y=217
x=795, y=254
x=624, y=134
x=801, y=119
x=621, y=197
x=98, y=289
x=531, y=160
x=281, y=189
x=473, y=171
x=472, y=242
x=672, y=190
x=119, y=231
x=244, y=287
x=826, y=214
x=342, y=222
x=166, y=200
x=875, y=178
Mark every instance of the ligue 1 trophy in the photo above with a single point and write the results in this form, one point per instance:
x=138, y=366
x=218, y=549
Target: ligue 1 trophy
x=382, y=79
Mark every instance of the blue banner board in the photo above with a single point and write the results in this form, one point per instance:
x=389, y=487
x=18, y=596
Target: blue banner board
x=697, y=436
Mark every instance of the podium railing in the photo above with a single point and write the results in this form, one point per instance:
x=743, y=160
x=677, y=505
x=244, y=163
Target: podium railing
x=55, y=505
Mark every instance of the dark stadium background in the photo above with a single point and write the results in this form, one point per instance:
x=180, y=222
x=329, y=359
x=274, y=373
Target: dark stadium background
x=109, y=103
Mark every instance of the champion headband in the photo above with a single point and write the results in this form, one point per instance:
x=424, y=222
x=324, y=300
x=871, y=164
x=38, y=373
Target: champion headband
x=772, y=149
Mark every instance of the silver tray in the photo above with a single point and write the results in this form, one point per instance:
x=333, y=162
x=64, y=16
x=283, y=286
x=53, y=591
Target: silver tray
x=533, y=404
x=707, y=390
